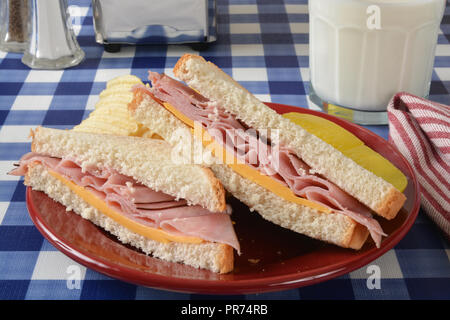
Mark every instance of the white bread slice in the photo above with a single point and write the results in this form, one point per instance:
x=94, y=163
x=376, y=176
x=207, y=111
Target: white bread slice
x=148, y=161
x=333, y=228
x=206, y=255
x=373, y=191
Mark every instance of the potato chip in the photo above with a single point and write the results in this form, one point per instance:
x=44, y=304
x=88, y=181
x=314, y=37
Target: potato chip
x=111, y=115
x=126, y=80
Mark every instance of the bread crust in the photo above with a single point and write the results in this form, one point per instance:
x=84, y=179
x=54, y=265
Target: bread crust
x=217, y=188
x=177, y=69
x=392, y=205
x=137, y=99
x=356, y=237
x=225, y=259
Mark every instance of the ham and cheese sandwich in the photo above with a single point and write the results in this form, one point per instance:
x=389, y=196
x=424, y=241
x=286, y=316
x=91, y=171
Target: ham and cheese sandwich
x=305, y=184
x=130, y=187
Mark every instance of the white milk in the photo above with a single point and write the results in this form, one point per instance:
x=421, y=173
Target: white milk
x=364, y=51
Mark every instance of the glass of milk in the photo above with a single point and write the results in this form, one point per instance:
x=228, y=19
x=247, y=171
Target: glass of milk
x=362, y=52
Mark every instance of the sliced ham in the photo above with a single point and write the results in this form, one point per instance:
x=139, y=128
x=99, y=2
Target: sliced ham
x=270, y=159
x=140, y=203
x=212, y=226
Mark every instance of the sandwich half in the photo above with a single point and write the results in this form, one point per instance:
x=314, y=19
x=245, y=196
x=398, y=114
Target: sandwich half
x=130, y=187
x=298, y=181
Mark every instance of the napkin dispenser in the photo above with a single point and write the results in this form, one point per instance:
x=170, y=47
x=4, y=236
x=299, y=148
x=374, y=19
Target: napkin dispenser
x=154, y=21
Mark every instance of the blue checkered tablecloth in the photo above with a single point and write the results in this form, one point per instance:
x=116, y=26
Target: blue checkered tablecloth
x=264, y=46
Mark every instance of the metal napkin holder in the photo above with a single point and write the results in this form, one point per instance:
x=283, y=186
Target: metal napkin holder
x=153, y=22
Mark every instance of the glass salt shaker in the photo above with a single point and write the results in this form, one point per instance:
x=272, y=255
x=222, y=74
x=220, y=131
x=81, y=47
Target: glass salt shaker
x=14, y=25
x=53, y=44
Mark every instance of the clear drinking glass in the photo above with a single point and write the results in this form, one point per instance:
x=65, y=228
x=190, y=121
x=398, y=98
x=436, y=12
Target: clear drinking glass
x=14, y=25
x=362, y=52
x=53, y=44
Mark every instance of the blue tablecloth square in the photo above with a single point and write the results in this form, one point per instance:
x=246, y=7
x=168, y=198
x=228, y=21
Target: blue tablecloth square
x=155, y=62
x=115, y=63
x=87, y=40
x=271, y=8
x=273, y=18
x=88, y=21
x=63, y=117
x=10, y=88
x=24, y=117
x=422, y=288
x=290, y=99
x=66, y=88
x=13, y=289
x=283, y=74
x=281, y=38
x=71, y=102
x=281, y=62
x=88, y=63
x=335, y=289
x=11, y=151
x=17, y=265
x=243, y=39
x=107, y=289
x=423, y=263
x=240, y=18
x=298, y=17
x=15, y=76
x=20, y=238
x=422, y=236
x=13, y=64
x=156, y=50
x=7, y=188
x=38, y=88
x=287, y=87
x=271, y=2
x=279, y=51
x=3, y=115
x=437, y=87
x=72, y=75
x=300, y=38
x=17, y=215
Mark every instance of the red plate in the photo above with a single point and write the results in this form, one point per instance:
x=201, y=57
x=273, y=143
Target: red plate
x=272, y=258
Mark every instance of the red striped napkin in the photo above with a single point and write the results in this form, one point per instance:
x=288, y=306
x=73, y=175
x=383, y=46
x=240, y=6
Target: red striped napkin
x=420, y=129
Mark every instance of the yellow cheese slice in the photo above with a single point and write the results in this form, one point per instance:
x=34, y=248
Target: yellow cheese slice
x=148, y=232
x=351, y=146
x=242, y=169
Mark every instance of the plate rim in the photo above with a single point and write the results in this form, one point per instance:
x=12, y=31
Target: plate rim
x=239, y=286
